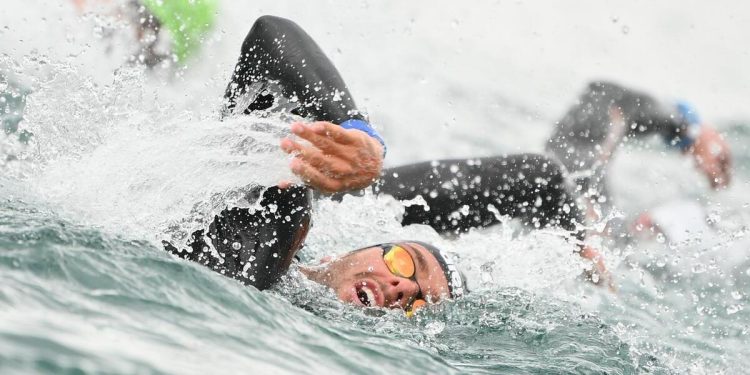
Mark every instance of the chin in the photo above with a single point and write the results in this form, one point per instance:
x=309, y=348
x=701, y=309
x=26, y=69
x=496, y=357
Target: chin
x=348, y=295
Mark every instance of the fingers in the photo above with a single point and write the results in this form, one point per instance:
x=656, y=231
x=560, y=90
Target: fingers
x=713, y=157
x=725, y=165
x=283, y=184
x=336, y=159
x=599, y=275
x=315, y=177
x=719, y=169
x=331, y=165
x=326, y=136
x=332, y=131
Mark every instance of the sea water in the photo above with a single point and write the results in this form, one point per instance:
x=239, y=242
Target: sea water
x=101, y=160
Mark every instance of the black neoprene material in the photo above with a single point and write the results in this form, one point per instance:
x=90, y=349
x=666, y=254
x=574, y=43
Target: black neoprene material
x=471, y=193
x=277, y=49
x=256, y=246
x=581, y=135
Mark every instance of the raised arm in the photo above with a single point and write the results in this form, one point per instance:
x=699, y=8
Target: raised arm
x=596, y=112
x=606, y=113
x=277, y=50
x=344, y=151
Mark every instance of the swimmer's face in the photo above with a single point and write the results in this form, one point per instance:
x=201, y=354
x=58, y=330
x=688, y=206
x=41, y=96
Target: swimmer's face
x=362, y=277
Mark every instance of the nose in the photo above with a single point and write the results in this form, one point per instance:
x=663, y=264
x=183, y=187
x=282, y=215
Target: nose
x=399, y=291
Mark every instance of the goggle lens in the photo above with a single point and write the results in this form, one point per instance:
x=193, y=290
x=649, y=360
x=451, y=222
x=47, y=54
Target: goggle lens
x=399, y=262
x=416, y=305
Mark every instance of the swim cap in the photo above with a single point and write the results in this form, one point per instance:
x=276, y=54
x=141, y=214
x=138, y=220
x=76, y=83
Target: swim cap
x=456, y=282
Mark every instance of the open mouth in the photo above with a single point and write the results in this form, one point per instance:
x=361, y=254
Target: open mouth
x=366, y=295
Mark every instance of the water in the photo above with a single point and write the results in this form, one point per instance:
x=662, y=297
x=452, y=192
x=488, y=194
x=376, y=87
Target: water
x=121, y=158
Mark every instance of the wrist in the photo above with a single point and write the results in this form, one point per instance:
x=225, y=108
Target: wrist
x=364, y=126
x=691, y=129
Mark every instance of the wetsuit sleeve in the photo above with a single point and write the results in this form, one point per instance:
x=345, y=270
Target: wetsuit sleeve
x=473, y=193
x=643, y=113
x=278, y=50
x=256, y=245
x=253, y=245
x=588, y=122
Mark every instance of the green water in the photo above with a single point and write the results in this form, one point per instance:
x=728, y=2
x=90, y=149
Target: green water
x=78, y=300
x=75, y=300
x=112, y=167
x=79, y=296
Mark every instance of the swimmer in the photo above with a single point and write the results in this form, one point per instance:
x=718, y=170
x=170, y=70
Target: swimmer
x=185, y=23
x=167, y=31
x=606, y=115
x=281, y=68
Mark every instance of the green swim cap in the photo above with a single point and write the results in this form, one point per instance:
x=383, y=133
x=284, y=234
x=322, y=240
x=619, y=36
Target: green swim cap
x=186, y=20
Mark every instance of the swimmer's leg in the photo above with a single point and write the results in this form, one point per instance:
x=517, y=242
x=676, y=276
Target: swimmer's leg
x=278, y=50
x=473, y=193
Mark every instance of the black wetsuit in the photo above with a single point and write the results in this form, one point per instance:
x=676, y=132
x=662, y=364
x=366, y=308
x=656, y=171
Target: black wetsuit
x=257, y=246
x=470, y=193
x=278, y=51
x=586, y=137
x=280, y=62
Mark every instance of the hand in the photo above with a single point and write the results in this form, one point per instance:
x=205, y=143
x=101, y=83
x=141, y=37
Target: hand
x=337, y=159
x=599, y=275
x=645, y=226
x=712, y=157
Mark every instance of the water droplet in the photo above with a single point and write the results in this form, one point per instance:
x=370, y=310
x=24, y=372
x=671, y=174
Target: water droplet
x=595, y=277
x=486, y=272
x=434, y=327
x=713, y=218
x=736, y=295
x=733, y=309
x=236, y=245
x=625, y=29
x=699, y=268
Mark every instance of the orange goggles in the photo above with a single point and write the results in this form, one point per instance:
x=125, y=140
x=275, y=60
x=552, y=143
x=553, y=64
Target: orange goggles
x=401, y=264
